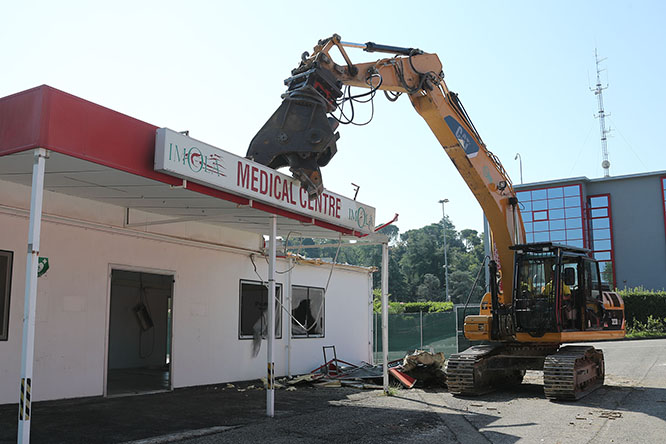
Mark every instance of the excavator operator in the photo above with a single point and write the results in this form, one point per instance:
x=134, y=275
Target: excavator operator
x=570, y=313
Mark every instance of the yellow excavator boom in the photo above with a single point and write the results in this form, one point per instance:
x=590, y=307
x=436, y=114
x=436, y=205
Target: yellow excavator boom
x=301, y=136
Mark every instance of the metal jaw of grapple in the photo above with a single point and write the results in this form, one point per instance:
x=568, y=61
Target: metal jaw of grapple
x=299, y=134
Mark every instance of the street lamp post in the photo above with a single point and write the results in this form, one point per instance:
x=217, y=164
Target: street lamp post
x=520, y=159
x=446, y=260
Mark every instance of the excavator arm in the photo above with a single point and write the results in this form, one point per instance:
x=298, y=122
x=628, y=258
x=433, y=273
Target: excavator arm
x=301, y=134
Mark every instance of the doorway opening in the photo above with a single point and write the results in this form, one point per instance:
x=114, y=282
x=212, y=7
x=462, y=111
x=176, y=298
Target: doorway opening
x=140, y=318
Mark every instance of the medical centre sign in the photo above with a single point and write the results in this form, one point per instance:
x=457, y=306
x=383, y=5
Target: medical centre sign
x=182, y=156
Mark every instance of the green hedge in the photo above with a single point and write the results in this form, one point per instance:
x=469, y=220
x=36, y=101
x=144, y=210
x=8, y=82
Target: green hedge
x=427, y=307
x=413, y=307
x=410, y=307
x=640, y=304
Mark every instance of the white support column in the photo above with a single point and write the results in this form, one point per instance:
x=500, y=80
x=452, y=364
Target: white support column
x=385, y=262
x=270, y=376
x=371, y=316
x=30, y=304
x=287, y=293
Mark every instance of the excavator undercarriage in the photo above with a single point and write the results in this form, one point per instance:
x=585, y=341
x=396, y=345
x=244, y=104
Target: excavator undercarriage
x=557, y=299
x=568, y=373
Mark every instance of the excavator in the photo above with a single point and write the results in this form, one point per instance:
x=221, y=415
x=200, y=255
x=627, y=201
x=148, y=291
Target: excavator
x=542, y=296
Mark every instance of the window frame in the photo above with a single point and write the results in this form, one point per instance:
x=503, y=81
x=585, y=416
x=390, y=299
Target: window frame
x=663, y=199
x=323, y=313
x=278, y=310
x=609, y=216
x=7, y=293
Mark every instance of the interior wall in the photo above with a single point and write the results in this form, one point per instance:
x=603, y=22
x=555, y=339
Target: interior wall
x=129, y=346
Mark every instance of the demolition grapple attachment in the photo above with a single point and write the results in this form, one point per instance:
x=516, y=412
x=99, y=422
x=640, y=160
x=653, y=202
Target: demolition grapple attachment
x=299, y=134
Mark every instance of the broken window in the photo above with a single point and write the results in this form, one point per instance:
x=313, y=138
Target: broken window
x=307, y=307
x=253, y=310
x=6, y=259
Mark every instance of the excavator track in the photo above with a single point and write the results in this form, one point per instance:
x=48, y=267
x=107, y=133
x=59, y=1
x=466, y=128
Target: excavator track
x=573, y=372
x=465, y=373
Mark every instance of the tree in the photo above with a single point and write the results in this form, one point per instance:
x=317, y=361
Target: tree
x=423, y=254
x=392, y=231
x=429, y=289
x=460, y=285
x=416, y=260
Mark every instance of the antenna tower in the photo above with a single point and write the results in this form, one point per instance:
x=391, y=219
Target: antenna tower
x=601, y=115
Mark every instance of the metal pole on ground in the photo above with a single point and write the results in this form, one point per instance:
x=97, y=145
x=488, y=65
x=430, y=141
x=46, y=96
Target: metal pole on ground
x=371, y=320
x=385, y=345
x=421, y=327
x=30, y=304
x=446, y=260
x=270, y=376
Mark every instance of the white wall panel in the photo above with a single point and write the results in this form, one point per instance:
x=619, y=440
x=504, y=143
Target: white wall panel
x=73, y=303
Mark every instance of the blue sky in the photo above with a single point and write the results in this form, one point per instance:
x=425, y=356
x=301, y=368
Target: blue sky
x=523, y=70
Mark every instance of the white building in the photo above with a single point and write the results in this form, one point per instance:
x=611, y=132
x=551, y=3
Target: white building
x=155, y=281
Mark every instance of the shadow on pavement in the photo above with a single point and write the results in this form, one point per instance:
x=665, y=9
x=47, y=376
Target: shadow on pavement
x=307, y=415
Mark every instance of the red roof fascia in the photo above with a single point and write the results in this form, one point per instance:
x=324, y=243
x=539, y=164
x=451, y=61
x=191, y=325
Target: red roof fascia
x=21, y=123
x=49, y=118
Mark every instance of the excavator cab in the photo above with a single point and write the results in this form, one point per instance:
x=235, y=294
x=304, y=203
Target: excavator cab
x=548, y=291
x=558, y=289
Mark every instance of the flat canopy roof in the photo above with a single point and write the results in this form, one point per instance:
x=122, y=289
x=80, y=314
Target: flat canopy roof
x=103, y=155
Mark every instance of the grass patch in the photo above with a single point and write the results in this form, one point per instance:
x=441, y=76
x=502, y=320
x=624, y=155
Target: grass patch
x=654, y=327
x=392, y=390
x=645, y=335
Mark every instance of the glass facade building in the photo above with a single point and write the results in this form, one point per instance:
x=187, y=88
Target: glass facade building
x=663, y=198
x=560, y=214
x=621, y=220
x=554, y=214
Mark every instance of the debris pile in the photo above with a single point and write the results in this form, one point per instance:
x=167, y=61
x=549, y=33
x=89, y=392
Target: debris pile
x=426, y=368
x=339, y=373
x=419, y=367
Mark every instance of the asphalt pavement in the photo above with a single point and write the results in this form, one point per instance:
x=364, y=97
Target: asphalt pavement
x=630, y=408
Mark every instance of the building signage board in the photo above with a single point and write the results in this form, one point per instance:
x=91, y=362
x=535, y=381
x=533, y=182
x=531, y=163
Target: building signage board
x=187, y=158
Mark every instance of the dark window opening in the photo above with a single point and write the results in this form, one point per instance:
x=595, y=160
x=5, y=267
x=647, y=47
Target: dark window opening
x=6, y=260
x=308, y=312
x=254, y=310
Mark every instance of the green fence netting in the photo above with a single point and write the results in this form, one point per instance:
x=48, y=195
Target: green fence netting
x=434, y=332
